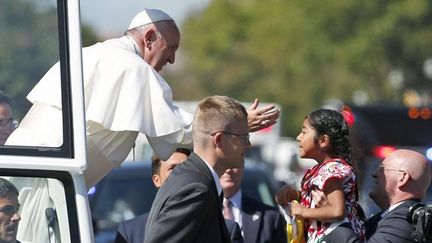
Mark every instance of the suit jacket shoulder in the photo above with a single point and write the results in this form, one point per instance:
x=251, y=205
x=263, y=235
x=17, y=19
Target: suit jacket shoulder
x=261, y=222
x=394, y=227
x=132, y=231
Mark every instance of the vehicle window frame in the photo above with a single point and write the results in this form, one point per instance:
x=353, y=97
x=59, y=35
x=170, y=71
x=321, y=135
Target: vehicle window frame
x=66, y=150
x=66, y=179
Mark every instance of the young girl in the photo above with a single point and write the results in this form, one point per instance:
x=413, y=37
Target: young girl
x=324, y=138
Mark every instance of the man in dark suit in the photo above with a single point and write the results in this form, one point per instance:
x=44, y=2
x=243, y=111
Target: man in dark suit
x=132, y=231
x=259, y=222
x=401, y=181
x=188, y=206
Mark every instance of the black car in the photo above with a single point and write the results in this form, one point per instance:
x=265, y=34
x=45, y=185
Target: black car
x=128, y=191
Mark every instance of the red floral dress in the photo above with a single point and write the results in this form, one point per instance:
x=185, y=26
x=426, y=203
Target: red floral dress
x=316, y=178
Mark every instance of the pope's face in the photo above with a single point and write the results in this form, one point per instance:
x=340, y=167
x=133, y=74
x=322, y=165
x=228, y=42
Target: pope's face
x=164, y=47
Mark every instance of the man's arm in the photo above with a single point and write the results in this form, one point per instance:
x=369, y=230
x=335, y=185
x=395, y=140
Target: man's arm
x=392, y=228
x=182, y=215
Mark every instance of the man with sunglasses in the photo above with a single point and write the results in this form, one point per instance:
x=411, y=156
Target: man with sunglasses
x=9, y=217
x=188, y=206
x=401, y=181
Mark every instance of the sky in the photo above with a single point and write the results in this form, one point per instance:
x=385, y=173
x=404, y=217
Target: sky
x=111, y=17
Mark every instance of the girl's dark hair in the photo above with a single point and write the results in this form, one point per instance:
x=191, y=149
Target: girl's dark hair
x=332, y=123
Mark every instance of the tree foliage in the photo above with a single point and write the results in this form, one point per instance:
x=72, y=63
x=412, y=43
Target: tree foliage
x=299, y=53
x=25, y=48
x=28, y=47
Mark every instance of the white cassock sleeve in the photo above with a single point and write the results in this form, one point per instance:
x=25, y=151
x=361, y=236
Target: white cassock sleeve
x=123, y=96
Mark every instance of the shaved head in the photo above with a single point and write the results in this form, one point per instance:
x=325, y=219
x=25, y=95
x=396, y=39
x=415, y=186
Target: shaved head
x=417, y=167
x=403, y=175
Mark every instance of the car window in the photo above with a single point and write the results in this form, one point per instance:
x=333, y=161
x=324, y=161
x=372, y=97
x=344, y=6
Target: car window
x=123, y=194
x=34, y=39
x=58, y=212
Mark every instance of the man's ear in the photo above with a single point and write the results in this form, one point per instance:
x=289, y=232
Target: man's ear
x=149, y=37
x=156, y=180
x=403, y=178
x=217, y=140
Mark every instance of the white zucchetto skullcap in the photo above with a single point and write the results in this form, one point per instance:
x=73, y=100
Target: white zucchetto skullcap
x=148, y=16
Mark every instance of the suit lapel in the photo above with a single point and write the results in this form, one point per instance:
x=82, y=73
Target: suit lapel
x=251, y=220
x=371, y=224
x=200, y=164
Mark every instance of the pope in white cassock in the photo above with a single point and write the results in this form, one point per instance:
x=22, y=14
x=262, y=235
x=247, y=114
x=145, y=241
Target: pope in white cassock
x=124, y=95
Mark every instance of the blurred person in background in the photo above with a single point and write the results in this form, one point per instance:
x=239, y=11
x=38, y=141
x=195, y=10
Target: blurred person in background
x=7, y=122
x=9, y=217
x=259, y=222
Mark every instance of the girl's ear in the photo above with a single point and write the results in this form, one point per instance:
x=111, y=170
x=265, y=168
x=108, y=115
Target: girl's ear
x=324, y=142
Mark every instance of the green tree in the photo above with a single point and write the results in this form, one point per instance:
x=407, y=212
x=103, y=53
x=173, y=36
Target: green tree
x=299, y=53
x=29, y=48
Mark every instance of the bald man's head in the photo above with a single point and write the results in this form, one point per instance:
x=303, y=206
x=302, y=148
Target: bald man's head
x=403, y=175
x=418, y=168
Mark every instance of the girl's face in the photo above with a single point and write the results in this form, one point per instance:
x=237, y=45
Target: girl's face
x=308, y=144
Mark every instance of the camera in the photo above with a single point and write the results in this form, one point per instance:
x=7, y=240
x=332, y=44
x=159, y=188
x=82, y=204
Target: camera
x=420, y=217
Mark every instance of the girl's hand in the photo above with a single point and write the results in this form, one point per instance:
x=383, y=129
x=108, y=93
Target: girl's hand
x=297, y=209
x=285, y=195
